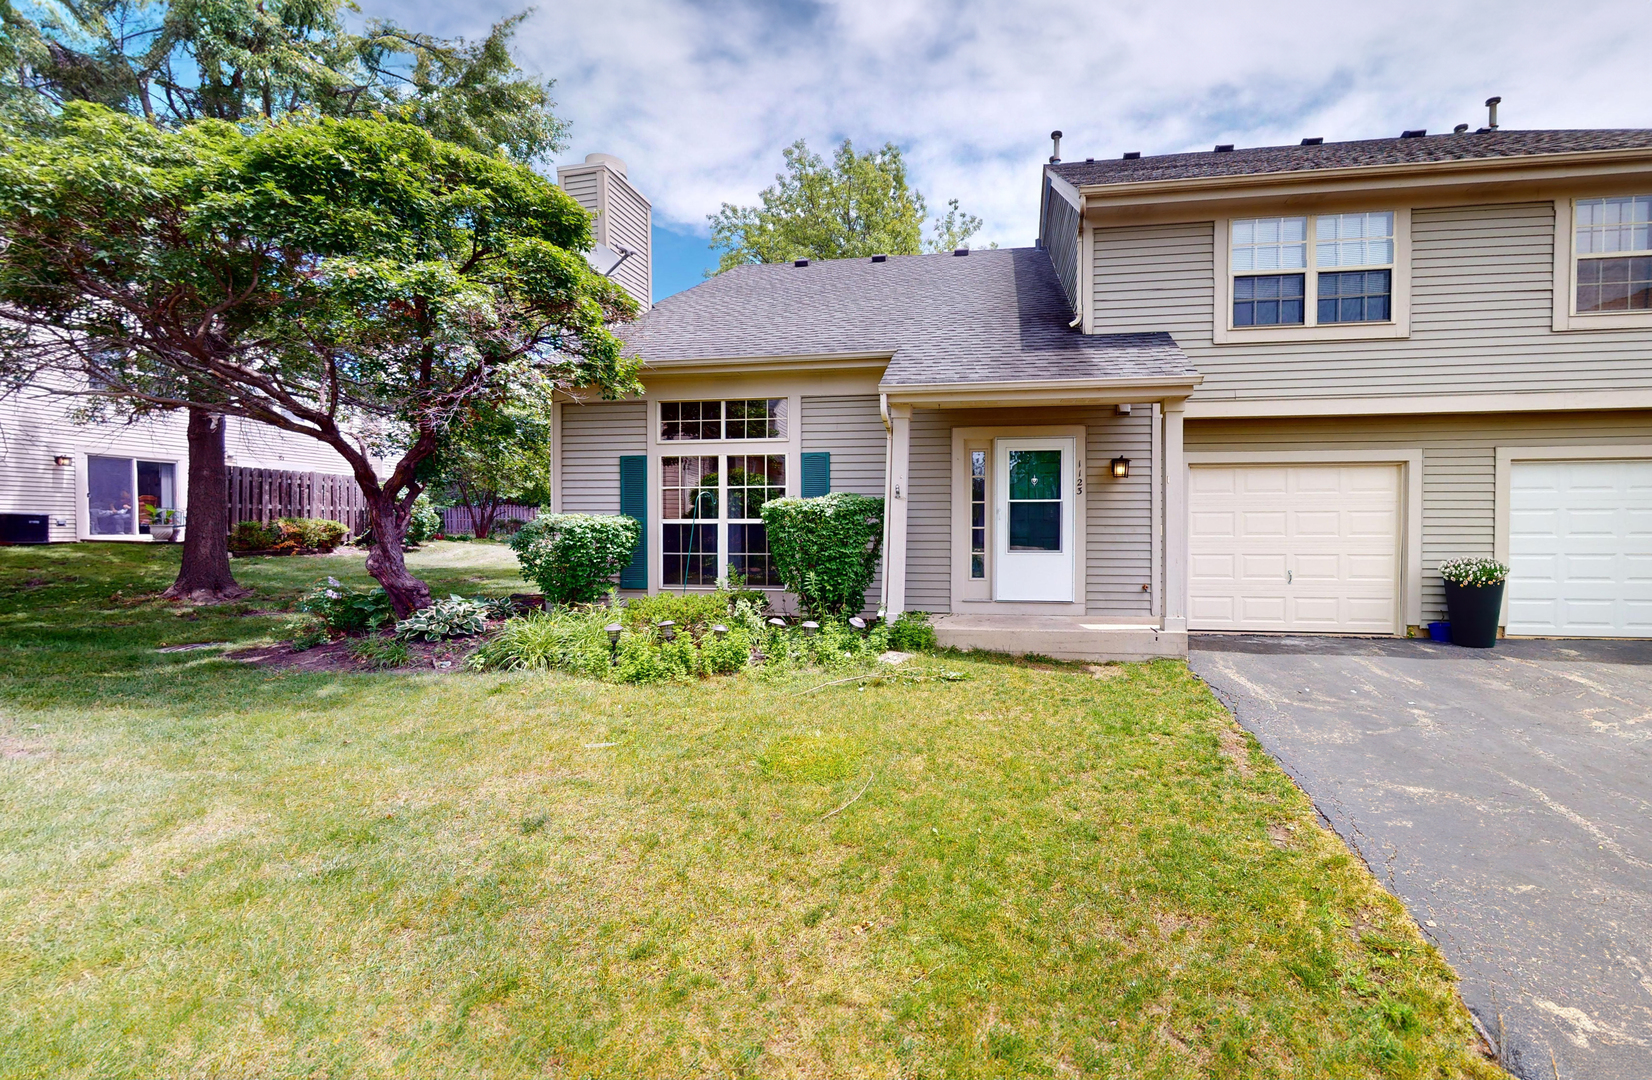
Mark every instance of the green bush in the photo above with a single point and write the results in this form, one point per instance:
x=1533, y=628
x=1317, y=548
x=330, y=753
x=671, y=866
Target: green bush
x=572, y=557
x=450, y=618
x=835, y=644
x=287, y=536
x=826, y=549
x=911, y=632
x=344, y=610
x=305, y=634
x=576, y=640
x=425, y=522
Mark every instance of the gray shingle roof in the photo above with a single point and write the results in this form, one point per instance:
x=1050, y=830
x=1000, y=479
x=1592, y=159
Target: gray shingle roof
x=991, y=316
x=1342, y=155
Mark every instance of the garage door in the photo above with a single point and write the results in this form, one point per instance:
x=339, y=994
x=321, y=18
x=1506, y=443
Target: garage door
x=1301, y=548
x=1580, y=548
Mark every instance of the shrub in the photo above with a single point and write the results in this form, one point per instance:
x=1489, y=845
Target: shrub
x=303, y=635
x=911, y=632
x=572, y=557
x=835, y=644
x=380, y=654
x=450, y=618
x=425, y=523
x=826, y=549
x=344, y=610
x=287, y=536
x=695, y=611
x=576, y=641
x=1474, y=573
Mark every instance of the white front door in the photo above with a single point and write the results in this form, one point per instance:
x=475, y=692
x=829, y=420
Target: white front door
x=1580, y=548
x=1034, y=504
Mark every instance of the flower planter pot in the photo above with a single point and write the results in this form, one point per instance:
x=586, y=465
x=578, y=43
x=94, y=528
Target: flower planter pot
x=1474, y=610
x=162, y=533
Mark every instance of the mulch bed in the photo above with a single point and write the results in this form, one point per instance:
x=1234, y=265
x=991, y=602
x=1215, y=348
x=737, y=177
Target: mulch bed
x=442, y=657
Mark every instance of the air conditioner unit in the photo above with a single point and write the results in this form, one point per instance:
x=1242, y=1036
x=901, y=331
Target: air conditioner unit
x=25, y=528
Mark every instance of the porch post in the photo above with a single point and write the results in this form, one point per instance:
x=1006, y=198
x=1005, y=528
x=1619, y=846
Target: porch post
x=894, y=555
x=1175, y=520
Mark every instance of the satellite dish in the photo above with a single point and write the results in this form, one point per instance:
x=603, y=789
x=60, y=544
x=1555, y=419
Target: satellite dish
x=605, y=260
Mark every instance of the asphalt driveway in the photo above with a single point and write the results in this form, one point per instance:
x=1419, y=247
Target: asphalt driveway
x=1505, y=796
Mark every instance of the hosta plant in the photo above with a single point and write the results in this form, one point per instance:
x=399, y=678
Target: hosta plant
x=450, y=618
x=1474, y=573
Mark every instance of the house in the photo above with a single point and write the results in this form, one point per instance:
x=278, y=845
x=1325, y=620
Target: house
x=1243, y=390
x=63, y=480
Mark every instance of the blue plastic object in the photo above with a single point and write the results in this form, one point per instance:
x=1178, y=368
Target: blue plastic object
x=1439, y=631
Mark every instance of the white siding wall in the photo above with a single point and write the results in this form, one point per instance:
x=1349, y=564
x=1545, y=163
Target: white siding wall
x=1118, y=513
x=594, y=436
x=628, y=224
x=36, y=425
x=1459, y=463
x=1481, y=315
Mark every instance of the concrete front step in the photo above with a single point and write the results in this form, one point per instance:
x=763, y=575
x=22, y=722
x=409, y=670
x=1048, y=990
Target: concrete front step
x=1097, y=639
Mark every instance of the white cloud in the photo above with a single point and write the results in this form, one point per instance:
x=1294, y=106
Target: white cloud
x=699, y=98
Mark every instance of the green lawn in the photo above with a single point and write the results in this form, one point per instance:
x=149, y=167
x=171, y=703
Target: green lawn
x=208, y=869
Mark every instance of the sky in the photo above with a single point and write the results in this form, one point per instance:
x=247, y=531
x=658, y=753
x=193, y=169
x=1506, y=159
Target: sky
x=699, y=98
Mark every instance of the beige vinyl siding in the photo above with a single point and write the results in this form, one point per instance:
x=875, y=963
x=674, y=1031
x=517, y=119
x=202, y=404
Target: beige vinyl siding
x=583, y=184
x=850, y=428
x=1060, y=239
x=1118, y=513
x=627, y=225
x=593, y=438
x=1481, y=315
x=1459, y=463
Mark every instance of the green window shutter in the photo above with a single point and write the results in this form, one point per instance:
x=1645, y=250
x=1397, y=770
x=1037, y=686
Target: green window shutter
x=817, y=474
x=634, y=504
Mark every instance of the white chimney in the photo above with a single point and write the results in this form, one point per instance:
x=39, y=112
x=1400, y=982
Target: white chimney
x=622, y=222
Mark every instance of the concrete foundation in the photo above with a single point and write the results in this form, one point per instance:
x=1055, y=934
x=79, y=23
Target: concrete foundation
x=1099, y=638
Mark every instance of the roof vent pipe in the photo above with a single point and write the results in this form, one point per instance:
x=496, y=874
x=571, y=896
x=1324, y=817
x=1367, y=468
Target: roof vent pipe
x=1491, y=120
x=1459, y=129
x=1055, y=153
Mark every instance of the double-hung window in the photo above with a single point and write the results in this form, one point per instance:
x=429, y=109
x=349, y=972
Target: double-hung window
x=1311, y=270
x=711, y=502
x=1612, y=243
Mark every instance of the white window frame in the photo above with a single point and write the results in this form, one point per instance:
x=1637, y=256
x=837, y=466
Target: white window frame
x=83, y=487
x=1223, y=332
x=1566, y=317
x=723, y=420
x=790, y=446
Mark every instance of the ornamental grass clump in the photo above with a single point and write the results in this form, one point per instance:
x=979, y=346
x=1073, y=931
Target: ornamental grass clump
x=1474, y=573
x=826, y=549
x=573, y=557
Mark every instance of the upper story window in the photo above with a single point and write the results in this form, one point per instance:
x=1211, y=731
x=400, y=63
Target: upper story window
x=753, y=418
x=1613, y=249
x=1345, y=275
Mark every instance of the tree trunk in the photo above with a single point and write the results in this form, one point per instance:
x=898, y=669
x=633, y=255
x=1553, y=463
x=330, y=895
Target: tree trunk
x=483, y=519
x=388, y=519
x=205, y=576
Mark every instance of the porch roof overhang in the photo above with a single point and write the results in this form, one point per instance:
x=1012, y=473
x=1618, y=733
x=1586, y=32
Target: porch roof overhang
x=1013, y=393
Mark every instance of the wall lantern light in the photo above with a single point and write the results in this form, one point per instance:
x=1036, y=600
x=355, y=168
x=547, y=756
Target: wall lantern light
x=63, y=459
x=1121, y=468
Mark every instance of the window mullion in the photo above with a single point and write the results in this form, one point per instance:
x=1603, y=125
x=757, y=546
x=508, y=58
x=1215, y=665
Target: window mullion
x=1310, y=287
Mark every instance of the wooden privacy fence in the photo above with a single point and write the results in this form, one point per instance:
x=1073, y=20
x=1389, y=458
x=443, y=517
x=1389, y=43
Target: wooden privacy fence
x=458, y=519
x=267, y=494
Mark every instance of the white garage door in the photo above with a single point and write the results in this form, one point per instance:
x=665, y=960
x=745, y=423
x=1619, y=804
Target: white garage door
x=1580, y=548
x=1303, y=548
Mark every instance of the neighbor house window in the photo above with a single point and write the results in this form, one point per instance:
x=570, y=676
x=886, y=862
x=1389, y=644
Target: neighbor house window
x=1613, y=248
x=754, y=418
x=122, y=494
x=1345, y=275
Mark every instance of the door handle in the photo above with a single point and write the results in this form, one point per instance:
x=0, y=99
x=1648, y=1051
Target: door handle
x=1287, y=577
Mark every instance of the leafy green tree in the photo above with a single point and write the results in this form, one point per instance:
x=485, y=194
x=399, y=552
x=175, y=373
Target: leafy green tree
x=496, y=455
x=857, y=205
x=357, y=282
x=175, y=62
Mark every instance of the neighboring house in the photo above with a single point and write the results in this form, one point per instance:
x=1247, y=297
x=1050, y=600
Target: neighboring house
x=1260, y=389
x=64, y=481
